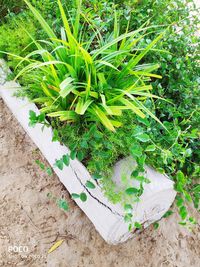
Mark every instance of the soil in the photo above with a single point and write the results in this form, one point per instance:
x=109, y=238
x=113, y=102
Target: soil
x=32, y=222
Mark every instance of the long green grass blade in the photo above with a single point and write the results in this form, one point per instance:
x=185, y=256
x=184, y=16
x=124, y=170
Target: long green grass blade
x=95, y=110
x=132, y=63
x=42, y=21
x=131, y=106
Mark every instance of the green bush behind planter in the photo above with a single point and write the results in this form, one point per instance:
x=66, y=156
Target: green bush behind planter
x=14, y=16
x=175, y=152
x=10, y=6
x=16, y=6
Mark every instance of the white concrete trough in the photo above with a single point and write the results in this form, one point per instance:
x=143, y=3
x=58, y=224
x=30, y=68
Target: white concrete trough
x=106, y=217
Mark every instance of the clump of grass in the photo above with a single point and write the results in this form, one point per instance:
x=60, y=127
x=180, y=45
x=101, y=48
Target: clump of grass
x=75, y=81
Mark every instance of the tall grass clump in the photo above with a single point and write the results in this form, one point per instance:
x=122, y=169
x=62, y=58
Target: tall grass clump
x=97, y=77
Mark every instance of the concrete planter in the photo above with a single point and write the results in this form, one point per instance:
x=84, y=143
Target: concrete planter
x=106, y=217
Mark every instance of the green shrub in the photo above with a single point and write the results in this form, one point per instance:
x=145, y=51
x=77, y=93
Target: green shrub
x=7, y=6
x=180, y=70
x=46, y=7
x=78, y=81
x=175, y=152
x=13, y=37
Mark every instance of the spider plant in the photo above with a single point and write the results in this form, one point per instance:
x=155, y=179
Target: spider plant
x=75, y=78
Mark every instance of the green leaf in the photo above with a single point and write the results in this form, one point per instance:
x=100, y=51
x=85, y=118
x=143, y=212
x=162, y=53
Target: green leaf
x=84, y=144
x=183, y=212
x=192, y=220
x=144, y=121
x=131, y=191
x=130, y=227
x=136, y=150
x=80, y=155
x=66, y=159
x=64, y=115
x=73, y=154
x=66, y=24
x=196, y=189
x=134, y=108
x=102, y=62
x=181, y=177
x=150, y=148
x=55, y=136
x=141, y=161
x=33, y=119
x=168, y=213
x=63, y=204
x=182, y=223
x=82, y=106
x=32, y=115
x=96, y=176
x=134, y=61
x=179, y=202
x=83, y=197
x=49, y=171
x=128, y=217
x=117, y=40
x=137, y=225
x=143, y=179
x=134, y=173
x=66, y=87
x=90, y=185
x=156, y=225
x=40, y=164
x=41, y=20
x=41, y=117
x=187, y=196
x=59, y=164
x=102, y=117
x=75, y=196
x=128, y=208
x=143, y=137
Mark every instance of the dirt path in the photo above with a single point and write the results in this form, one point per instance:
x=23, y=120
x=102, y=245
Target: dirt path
x=29, y=218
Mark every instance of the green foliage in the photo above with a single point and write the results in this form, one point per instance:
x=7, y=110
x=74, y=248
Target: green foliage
x=82, y=196
x=10, y=6
x=60, y=202
x=42, y=166
x=75, y=80
x=34, y=119
x=13, y=37
x=90, y=185
x=137, y=225
x=174, y=152
x=168, y=213
x=63, y=161
x=131, y=191
x=156, y=225
x=75, y=196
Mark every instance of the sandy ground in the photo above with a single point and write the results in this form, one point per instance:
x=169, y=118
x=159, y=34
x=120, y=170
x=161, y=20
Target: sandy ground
x=29, y=218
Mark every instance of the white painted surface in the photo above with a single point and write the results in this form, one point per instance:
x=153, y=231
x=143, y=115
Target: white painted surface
x=106, y=217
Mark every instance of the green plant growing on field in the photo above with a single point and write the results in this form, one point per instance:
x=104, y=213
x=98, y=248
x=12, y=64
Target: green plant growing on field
x=75, y=80
x=61, y=202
